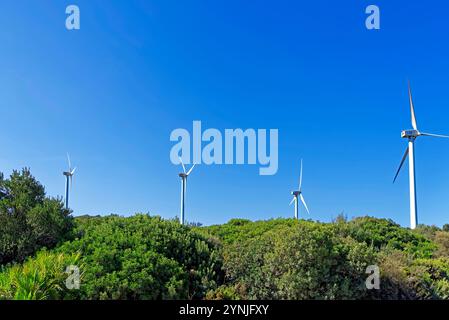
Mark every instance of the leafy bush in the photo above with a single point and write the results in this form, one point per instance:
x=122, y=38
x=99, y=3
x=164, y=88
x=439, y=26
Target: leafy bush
x=225, y=292
x=287, y=259
x=385, y=233
x=28, y=219
x=143, y=257
x=430, y=278
x=39, y=278
x=441, y=239
x=237, y=230
x=301, y=260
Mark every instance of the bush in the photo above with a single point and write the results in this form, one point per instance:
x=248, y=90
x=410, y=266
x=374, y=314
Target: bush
x=385, y=233
x=430, y=278
x=301, y=260
x=143, y=257
x=29, y=220
x=224, y=293
x=442, y=241
x=39, y=278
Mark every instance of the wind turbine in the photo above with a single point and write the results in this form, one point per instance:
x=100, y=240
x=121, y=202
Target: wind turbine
x=68, y=175
x=411, y=136
x=184, y=176
x=298, y=194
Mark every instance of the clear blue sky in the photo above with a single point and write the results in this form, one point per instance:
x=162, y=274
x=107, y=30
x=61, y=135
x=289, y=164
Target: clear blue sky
x=111, y=93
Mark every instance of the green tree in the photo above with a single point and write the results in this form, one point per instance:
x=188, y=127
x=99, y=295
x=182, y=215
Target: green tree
x=28, y=219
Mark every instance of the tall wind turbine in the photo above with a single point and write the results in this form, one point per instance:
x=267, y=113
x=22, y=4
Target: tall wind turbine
x=68, y=175
x=298, y=194
x=184, y=176
x=411, y=136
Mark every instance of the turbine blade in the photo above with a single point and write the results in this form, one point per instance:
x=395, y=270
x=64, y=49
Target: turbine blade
x=304, y=203
x=73, y=171
x=300, y=177
x=400, y=166
x=412, y=109
x=433, y=135
x=182, y=163
x=191, y=169
x=293, y=200
x=68, y=159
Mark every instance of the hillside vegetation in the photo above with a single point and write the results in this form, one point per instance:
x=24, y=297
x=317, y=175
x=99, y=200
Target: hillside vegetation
x=147, y=257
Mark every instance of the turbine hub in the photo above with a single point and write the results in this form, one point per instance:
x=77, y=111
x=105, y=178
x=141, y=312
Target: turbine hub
x=410, y=134
x=183, y=175
x=296, y=193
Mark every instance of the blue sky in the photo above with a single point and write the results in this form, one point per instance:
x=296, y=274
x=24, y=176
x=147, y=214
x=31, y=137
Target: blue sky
x=111, y=93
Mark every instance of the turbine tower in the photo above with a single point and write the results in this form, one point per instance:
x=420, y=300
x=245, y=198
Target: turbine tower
x=184, y=176
x=68, y=175
x=298, y=194
x=411, y=136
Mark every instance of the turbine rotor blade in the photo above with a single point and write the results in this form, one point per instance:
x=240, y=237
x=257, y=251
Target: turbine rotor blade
x=182, y=163
x=68, y=159
x=300, y=177
x=73, y=171
x=304, y=203
x=400, y=166
x=191, y=169
x=293, y=200
x=433, y=135
x=412, y=109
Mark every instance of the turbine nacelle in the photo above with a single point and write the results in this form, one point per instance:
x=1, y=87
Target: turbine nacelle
x=296, y=193
x=410, y=134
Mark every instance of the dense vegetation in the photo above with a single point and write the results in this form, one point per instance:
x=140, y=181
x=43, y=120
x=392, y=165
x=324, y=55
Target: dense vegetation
x=145, y=257
x=288, y=259
x=29, y=220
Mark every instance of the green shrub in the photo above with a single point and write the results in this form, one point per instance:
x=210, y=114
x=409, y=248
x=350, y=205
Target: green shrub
x=301, y=260
x=382, y=232
x=224, y=293
x=441, y=239
x=39, y=278
x=143, y=257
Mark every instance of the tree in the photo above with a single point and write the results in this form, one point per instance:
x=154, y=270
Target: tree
x=28, y=219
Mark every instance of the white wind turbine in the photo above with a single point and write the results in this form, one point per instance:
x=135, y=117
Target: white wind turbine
x=68, y=175
x=411, y=135
x=298, y=194
x=184, y=176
